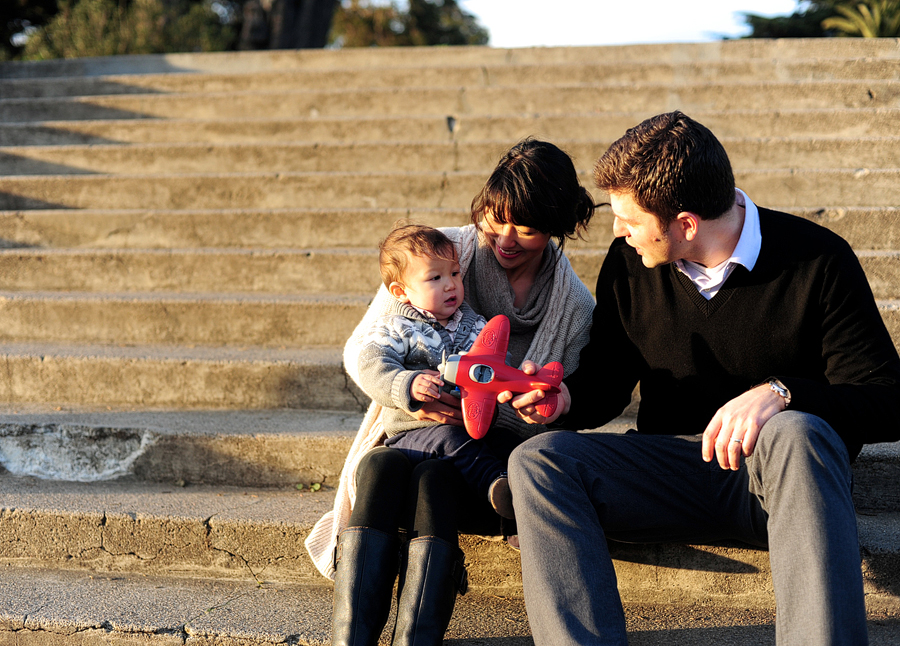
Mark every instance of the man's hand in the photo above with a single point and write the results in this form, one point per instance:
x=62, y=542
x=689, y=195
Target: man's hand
x=735, y=427
x=525, y=403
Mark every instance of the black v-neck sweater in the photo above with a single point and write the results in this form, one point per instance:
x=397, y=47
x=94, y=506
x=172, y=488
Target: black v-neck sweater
x=805, y=315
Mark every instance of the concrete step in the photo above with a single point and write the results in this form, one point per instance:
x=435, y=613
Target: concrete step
x=260, y=229
x=255, y=62
x=793, y=189
x=507, y=74
x=822, y=123
x=494, y=100
x=246, y=448
x=865, y=228
x=254, y=448
x=273, y=321
x=209, y=321
x=285, y=271
x=201, y=532
x=274, y=271
x=71, y=608
x=161, y=159
x=159, y=377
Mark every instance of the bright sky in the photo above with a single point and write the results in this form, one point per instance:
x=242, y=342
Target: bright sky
x=534, y=23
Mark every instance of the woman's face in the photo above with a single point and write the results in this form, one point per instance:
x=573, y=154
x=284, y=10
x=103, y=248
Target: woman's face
x=514, y=247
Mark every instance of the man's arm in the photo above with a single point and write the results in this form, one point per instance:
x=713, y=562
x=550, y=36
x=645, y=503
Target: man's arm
x=859, y=392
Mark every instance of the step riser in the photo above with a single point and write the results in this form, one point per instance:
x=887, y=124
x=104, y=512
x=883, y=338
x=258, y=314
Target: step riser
x=256, y=458
x=413, y=157
x=865, y=229
x=117, y=542
x=274, y=272
x=510, y=128
x=790, y=189
x=505, y=75
x=226, y=229
x=285, y=325
x=483, y=101
x=263, y=61
x=124, y=321
x=177, y=384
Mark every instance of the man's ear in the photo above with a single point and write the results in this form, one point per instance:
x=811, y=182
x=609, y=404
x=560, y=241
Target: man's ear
x=688, y=224
x=398, y=291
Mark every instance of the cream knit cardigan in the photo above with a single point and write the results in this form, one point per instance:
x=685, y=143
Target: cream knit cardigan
x=567, y=321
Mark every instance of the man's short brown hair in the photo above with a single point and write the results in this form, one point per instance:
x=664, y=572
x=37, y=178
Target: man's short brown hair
x=669, y=164
x=407, y=240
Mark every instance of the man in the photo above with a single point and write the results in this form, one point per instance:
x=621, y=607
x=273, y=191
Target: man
x=764, y=366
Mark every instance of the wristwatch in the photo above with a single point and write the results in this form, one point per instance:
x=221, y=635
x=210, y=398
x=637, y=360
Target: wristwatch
x=780, y=388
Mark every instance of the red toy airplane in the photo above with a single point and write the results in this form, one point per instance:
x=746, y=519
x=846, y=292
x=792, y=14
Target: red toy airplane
x=481, y=374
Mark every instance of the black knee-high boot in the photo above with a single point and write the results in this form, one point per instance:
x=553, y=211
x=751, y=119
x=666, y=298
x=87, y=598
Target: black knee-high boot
x=367, y=563
x=432, y=570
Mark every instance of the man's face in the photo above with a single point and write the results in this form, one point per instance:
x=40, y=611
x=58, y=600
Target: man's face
x=641, y=230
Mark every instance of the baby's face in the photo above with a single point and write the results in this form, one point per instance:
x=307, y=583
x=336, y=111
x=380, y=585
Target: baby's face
x=434, y=285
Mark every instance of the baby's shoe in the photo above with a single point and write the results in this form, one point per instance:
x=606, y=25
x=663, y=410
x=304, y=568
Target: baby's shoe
x=500, y=497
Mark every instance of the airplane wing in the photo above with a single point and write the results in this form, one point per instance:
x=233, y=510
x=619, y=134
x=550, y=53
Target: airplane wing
x=478, y=412
x=493, y=339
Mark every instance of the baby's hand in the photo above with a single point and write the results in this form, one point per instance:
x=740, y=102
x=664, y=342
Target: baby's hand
x=426, y=387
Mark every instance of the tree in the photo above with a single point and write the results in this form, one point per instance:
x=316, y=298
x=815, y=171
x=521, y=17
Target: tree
x=106, y=27
x=286, y=24
x=869, y=19
x=806, y=22
x=364, y=23
x=67, y=28
x=18, y=19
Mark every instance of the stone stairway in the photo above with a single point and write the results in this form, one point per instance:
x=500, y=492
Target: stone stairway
x=187, y=241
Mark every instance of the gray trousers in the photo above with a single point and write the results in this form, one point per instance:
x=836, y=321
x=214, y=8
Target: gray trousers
x=574, y=490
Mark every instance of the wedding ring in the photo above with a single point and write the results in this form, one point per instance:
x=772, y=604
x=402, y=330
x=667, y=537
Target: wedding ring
x=739, y=440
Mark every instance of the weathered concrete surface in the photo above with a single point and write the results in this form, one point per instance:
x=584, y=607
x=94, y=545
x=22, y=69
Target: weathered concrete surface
x=557, y=99
x=275, y=321
x=151, y=159
x=791, y=188
x=866, y=228
x=505, y=74
x=817, y=122
x=176, y=377
x=205, y=532
x=256, y=62
x=42, y=608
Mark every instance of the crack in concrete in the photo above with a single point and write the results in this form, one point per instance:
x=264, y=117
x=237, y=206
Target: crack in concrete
x=352, y=392
x=207, y=524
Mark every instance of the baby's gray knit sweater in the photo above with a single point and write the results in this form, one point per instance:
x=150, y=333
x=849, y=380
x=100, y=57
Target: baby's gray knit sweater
x=399, y=346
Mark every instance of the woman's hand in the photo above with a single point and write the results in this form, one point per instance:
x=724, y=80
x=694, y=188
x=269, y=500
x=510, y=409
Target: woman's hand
x=525, y=404
x=445, y=410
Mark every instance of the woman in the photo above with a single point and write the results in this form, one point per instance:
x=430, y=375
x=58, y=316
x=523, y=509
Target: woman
x=391, y=515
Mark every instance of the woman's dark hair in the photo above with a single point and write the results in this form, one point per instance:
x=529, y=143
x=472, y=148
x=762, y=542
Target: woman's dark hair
x=535, y=185
x=669, y=164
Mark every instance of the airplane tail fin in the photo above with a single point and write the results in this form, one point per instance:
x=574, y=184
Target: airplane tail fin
x=552, y=373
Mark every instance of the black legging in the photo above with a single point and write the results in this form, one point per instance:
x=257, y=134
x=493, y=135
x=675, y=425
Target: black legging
x=428, y=499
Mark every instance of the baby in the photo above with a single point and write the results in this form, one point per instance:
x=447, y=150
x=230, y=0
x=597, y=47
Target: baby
x=400, y=356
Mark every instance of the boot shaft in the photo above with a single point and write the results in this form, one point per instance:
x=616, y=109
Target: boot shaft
x=432, y=572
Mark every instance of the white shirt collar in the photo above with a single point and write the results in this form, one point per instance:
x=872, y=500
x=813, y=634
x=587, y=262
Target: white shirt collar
x=709, y=280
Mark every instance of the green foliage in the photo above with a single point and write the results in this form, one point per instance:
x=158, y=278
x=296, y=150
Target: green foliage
x=19, y=17
x=806, y=22
x=367, y=23
x=106, y=27
x=869, y=19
